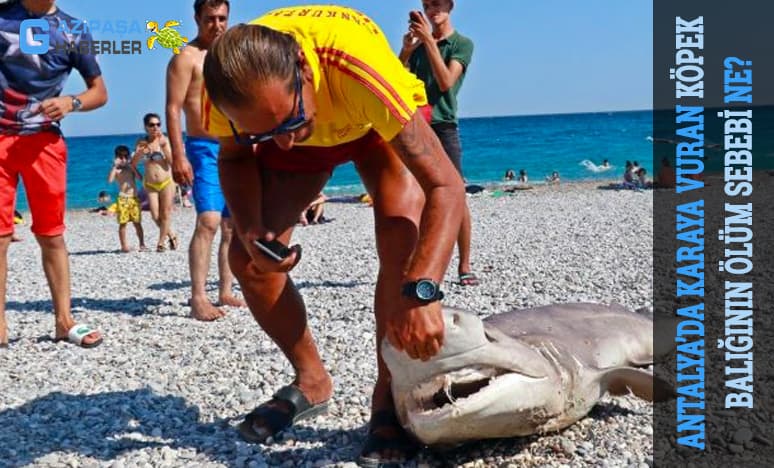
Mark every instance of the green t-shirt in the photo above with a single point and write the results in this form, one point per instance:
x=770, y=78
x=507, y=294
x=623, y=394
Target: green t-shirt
x=455, y=47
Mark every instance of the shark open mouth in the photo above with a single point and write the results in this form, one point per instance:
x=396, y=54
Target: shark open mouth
x=453, y=388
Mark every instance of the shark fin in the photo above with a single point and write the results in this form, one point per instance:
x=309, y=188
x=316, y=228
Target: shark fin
x=622, y=380
x=519, y=357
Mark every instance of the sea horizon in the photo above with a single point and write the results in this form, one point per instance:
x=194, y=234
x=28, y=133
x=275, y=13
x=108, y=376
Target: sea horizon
x=572, y=144
x=475, y=117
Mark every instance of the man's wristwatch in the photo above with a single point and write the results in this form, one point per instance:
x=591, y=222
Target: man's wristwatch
x=77, y=104
x=423, y=290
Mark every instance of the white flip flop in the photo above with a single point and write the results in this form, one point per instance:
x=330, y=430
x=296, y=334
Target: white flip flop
x=77, y=333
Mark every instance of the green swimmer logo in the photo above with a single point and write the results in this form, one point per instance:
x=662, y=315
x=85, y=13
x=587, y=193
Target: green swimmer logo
x=167, y=37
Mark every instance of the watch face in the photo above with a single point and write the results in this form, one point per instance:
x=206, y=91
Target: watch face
x=426, y=290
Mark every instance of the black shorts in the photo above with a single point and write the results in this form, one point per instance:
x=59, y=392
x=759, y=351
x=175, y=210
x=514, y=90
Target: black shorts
x=450, y=140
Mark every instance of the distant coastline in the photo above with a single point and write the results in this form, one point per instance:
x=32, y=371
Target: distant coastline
x=463, y=118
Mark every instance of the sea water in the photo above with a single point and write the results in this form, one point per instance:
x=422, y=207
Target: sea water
x=572, y=144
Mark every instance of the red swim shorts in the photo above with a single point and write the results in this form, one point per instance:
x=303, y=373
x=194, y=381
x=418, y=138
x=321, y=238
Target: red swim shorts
x=40, y=159
x=317, y=158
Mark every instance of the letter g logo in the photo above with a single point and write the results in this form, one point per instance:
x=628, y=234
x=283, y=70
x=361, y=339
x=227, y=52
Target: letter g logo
x=34, y=43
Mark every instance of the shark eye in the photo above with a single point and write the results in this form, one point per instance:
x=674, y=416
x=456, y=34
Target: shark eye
x=456, y=319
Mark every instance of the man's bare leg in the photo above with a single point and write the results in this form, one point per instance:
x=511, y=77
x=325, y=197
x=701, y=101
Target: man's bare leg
x=5, y=241
x=273, y=298
x=463, y=242
x=199, y=252
x=56, y=265
x=226, y=278
x=398, y=201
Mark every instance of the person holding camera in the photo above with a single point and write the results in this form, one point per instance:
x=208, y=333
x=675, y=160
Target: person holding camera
x=439, y=56
x=292, y=95
x=127, y=203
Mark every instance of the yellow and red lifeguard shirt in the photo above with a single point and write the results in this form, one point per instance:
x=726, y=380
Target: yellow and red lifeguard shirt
x=360, y=84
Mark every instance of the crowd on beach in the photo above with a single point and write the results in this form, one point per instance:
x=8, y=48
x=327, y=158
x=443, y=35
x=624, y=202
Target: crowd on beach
x=523, y=178
x=149, y=165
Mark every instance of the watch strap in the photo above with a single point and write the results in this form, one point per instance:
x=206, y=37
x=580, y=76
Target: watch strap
x=409, y=289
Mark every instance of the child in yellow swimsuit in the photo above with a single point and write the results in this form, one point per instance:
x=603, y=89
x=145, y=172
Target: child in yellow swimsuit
x=127, y=203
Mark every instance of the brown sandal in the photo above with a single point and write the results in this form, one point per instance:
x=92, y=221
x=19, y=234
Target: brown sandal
x=161, y=248
x=172, y=242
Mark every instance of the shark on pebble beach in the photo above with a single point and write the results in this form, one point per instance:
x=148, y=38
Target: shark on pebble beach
x=529, y=371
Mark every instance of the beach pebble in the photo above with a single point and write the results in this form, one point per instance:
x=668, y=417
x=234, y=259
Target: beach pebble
x=567, y=447
x=165, y=390
x=734, y=448
x=742, y=436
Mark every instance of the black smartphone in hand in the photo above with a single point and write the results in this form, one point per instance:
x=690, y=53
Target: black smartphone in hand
x=274, y=249
x=415, y=16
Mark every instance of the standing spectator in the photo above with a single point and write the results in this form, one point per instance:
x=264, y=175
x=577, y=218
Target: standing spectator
x=153, y=150
x=439, y=56
x=195, y=162
x=127, y=203
x=31, y=146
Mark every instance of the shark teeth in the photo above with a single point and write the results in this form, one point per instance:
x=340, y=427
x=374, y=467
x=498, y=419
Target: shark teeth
x=452, y=387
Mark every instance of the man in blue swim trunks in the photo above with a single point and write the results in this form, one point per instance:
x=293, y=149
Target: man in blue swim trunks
x=195, y=163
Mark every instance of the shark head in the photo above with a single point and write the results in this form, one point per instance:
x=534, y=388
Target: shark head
x=480, y=380
x=522, y=372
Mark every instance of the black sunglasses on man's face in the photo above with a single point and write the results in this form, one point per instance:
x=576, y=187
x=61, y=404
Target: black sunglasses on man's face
x=289, y=125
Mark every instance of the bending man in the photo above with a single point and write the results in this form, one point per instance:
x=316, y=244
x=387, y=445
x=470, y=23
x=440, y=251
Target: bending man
x=296, y=93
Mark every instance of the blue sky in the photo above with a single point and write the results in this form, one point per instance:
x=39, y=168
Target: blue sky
x=531, y=57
